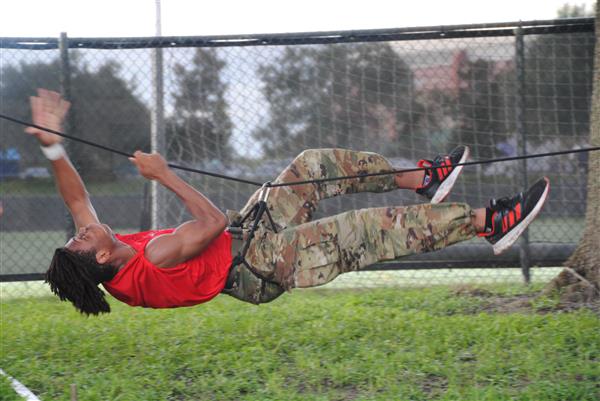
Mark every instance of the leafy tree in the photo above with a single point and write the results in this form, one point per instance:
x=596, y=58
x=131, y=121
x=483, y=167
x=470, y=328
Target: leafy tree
x=107, y=111
x=17, y=83
x=438, y=118
x=574, y=10
x=200, y=128
x=483, y=106
x=355, y=96
x=104, y=110
x=559, y=83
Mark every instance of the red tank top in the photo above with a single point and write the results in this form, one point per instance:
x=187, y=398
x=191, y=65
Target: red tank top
x=140, y=283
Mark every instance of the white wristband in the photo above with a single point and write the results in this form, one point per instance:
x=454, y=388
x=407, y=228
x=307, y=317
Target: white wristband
x=54, y=152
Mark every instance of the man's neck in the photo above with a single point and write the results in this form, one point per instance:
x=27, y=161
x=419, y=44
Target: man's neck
x=121, y=254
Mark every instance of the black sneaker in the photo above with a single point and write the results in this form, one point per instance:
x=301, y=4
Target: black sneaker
x=511, y=216
x=441, y=174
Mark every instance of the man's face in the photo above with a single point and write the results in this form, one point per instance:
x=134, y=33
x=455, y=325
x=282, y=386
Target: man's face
x=92, y=237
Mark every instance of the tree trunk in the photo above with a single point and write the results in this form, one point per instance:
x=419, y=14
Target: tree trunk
x=580, y=280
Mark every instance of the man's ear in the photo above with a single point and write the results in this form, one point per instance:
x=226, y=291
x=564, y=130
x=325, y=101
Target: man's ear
x=102, y=256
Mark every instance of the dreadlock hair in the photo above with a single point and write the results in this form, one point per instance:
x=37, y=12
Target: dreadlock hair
x=75, y=276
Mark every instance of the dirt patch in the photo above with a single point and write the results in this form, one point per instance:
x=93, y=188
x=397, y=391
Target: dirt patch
x=510, y=304
x=593, y=306
x=434, y=385
x=348, y=392
x=523, y=303
x=472, y=292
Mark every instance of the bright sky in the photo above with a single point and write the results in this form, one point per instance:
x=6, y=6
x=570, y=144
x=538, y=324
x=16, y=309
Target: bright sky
x=91, y=18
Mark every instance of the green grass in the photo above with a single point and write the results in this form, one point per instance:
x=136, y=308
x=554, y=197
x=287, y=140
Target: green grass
x=6, y=391
x=381, y=344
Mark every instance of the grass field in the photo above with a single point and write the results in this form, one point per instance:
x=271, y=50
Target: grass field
x=378, y=344
x=366, y=336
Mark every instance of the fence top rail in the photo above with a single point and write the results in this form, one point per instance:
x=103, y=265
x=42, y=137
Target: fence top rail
x=565, y=25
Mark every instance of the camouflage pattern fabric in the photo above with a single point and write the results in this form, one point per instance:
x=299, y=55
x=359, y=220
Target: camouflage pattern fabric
x=293, y=205
x=314, y=253
x=305, y=253
x=248, y=287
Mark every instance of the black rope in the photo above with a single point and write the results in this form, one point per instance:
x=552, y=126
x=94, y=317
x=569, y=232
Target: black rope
x=96, y=145
x=314, y=181
x=487, y=161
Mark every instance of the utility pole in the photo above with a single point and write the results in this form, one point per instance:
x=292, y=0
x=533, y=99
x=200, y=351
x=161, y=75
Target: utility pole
x=158, y=143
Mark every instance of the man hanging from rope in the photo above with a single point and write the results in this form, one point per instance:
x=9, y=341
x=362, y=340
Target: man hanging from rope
x=196, y=261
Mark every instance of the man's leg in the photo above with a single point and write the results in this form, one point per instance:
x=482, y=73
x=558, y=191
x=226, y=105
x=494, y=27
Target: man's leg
x=315, y=253
x=293, y=205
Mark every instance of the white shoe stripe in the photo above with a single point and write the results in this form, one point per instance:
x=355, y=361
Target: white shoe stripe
x=446, y=186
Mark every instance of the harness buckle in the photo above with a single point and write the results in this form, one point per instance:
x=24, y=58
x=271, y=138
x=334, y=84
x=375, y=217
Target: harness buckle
x=257, y=211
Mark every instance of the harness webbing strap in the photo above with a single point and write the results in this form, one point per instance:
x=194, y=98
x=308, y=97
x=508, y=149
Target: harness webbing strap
x=256, y=213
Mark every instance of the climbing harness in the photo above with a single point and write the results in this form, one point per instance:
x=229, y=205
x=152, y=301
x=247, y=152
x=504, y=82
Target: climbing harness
x=255, y=214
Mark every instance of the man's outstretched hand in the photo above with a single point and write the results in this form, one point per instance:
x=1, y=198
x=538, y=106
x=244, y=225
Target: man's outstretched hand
x=48, y=110
x=151, y=166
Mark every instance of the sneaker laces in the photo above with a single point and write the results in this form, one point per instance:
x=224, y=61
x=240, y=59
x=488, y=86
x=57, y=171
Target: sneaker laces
x=496, y=205
x=431, y=165
x=500, y=204
x=439, y=159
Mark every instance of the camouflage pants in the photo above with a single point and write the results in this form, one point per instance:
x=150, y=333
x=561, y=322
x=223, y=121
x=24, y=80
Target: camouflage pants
x=305, y=253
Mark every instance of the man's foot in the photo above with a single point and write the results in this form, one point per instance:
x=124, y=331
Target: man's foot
x=441, y=174
x=509, y=217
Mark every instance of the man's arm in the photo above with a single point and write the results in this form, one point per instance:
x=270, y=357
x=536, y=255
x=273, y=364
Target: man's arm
x=71, y=188
x=48, y=110
x=190, y=238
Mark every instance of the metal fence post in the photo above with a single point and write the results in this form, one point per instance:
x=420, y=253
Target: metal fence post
x=524, y=250
x=158, y=143
x=65, y=89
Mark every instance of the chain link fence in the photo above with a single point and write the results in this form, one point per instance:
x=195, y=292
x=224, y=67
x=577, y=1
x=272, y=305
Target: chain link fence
x=245, y=106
